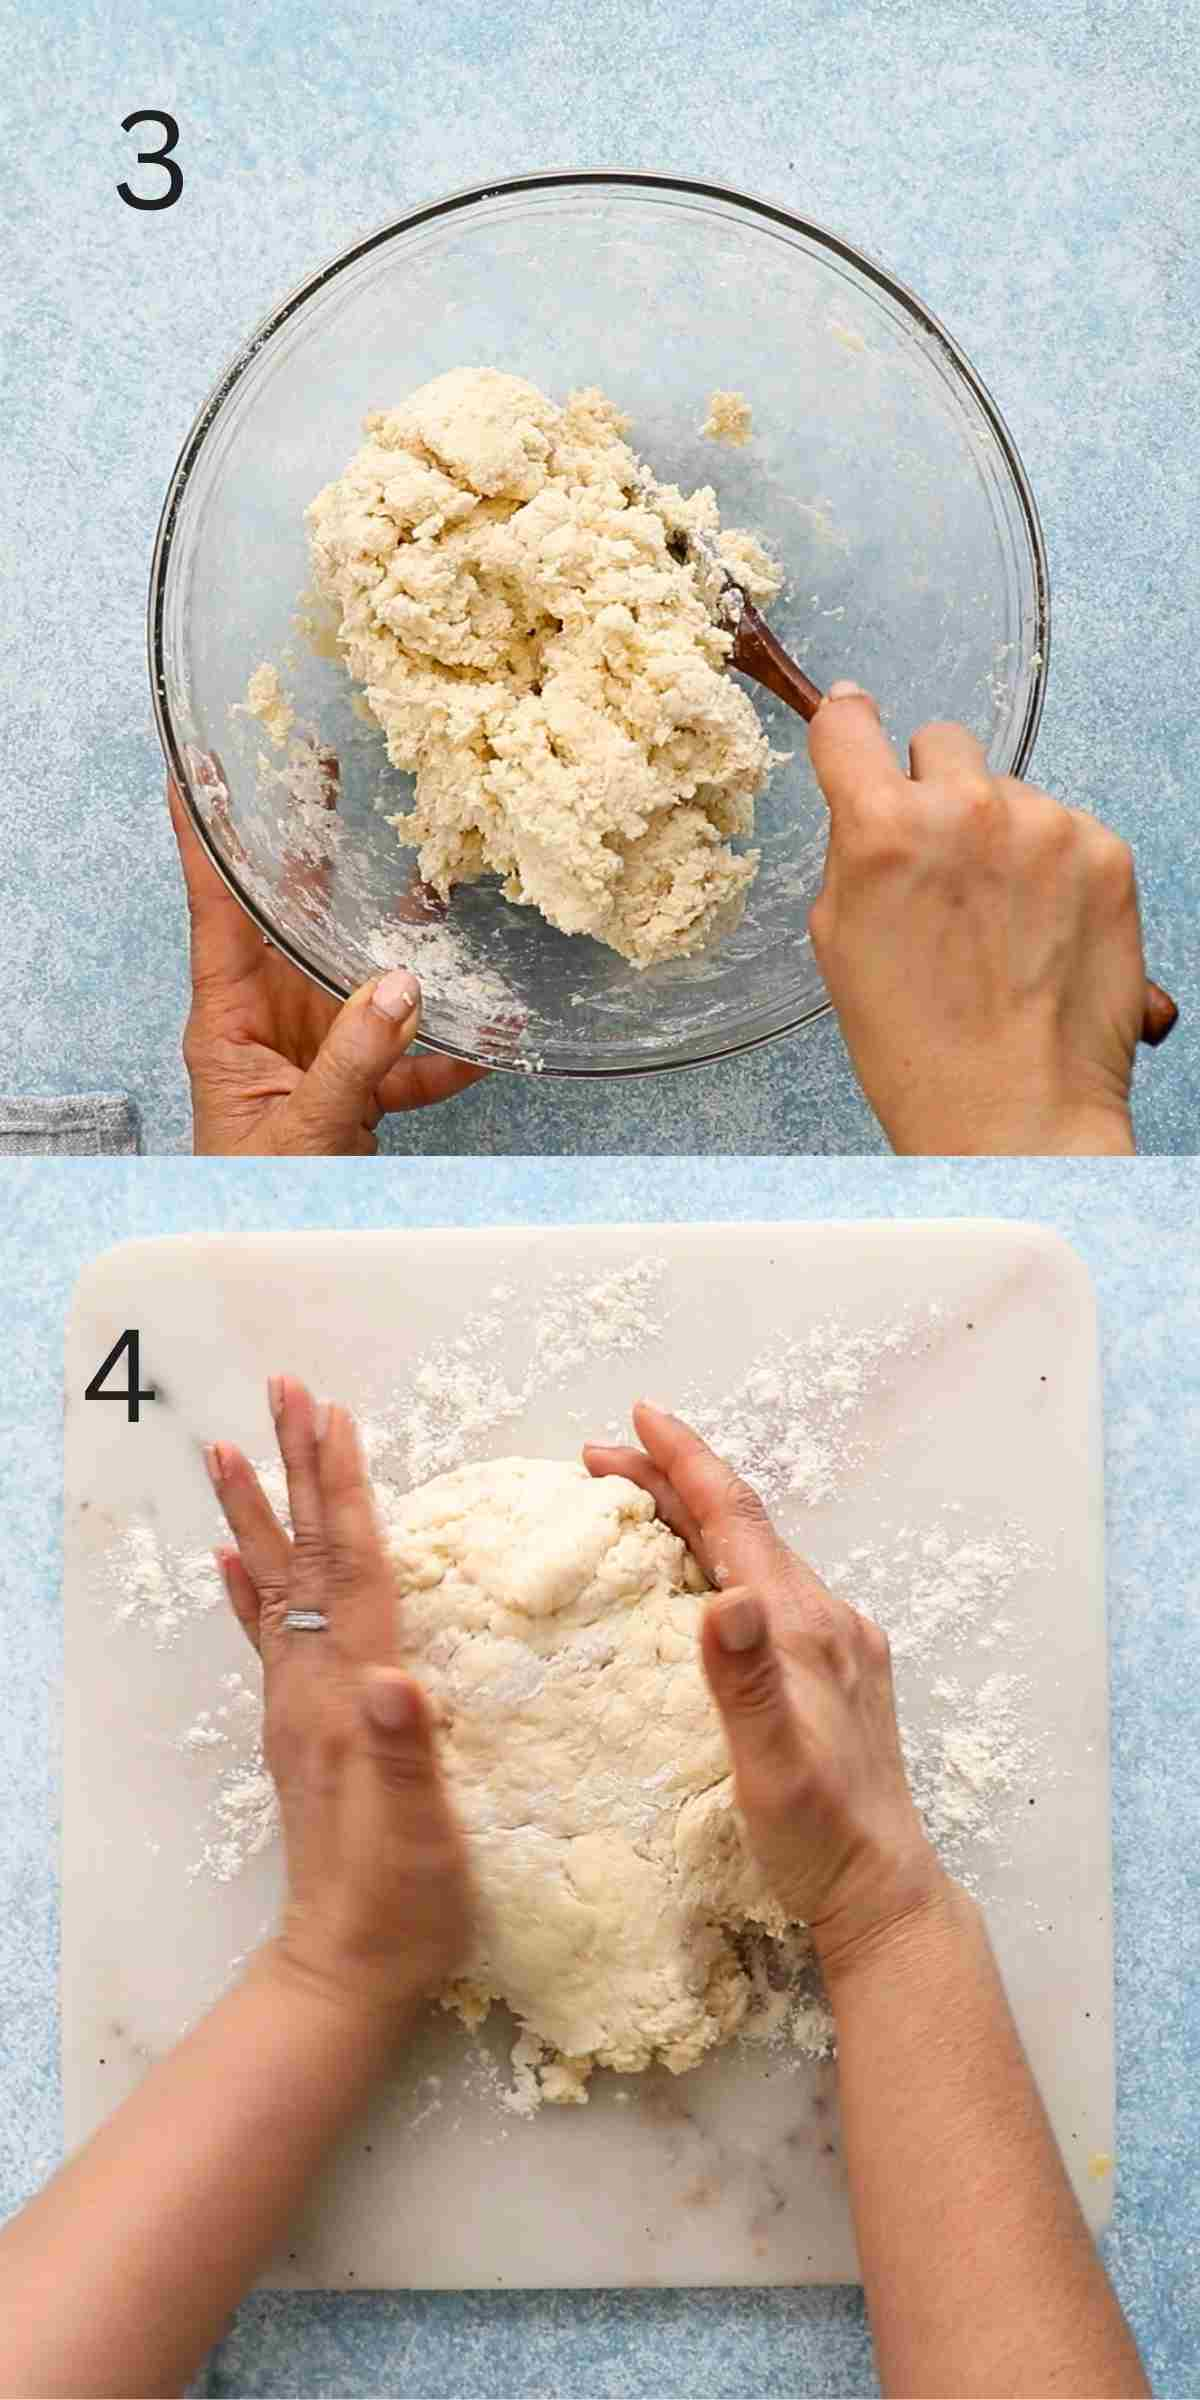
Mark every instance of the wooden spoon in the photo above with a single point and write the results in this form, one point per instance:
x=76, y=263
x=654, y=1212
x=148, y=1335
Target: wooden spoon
x=758, y=654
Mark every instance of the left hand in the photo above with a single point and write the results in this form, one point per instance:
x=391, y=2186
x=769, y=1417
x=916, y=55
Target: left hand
x=378, y=1909
x=276, y=1067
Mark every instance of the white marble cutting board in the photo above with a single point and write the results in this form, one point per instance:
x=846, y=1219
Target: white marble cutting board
x=731, y=2174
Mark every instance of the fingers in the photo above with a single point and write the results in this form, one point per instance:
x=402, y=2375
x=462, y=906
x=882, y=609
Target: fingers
x=263, y=1547
x=746, y=1681
x=949, y=753
x=422, y=1082
x=358, y=1567
x=295, y=1415
x=738, y=1543
x=400, y=1728
x=225, y=944
x=337, y=1098
x=336, y=1562
x=605, y=1458
x=850, y=751
x=241, y=1594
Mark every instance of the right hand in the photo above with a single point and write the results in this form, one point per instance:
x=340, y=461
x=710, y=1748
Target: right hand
x=980, y=943
x=378, y=1910
x=803, y=1684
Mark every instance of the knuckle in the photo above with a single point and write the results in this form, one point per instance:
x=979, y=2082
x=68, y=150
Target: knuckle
x=743, y=1503
x=820, y=921
x=346, y=1563
x=194, y=1045
x=873, y=1642
x=787, y=1793
x=1112, y=864
x=310, y=1559
x=881, y=834
x=407, y=1768
x=758, y=1689
x=273, y=1587
x=977, y=792
x=1052, y=830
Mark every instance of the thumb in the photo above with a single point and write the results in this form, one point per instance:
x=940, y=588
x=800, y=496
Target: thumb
x=400, y=1725
x=337, y=1098
x=744, y=1677
x=850, y=751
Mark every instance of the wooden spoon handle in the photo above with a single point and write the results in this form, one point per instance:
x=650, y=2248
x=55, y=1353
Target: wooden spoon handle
x=757, y=653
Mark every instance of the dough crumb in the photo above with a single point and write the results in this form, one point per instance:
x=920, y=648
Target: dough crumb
x=267, y=700
x=515, y=598
x=729, y=420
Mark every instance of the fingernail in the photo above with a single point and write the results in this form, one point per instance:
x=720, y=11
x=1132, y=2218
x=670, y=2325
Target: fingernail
x=391, y=1702
x=321, y=1419
x=845, y=691
x=740, y=1622
x=396, y=994
x=657, y=1407
x=275, y=1395
x=215, y=1464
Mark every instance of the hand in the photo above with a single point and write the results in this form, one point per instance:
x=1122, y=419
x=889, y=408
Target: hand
x=378, y=1908
x=276, y=1067
x=980, y=942
x=803, y=1684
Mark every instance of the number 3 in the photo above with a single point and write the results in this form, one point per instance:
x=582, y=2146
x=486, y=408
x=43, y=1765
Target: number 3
x=155, y=158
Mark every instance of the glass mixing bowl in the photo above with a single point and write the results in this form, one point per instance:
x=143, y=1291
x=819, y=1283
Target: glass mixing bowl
x=880, y=473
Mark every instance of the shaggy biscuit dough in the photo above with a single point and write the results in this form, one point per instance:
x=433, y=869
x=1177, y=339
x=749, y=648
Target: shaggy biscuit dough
x=542, y=661
x=553, y=1619
x=729, y=419
x=267, y=700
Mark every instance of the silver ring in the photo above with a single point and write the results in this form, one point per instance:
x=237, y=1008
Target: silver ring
x=305, y=1620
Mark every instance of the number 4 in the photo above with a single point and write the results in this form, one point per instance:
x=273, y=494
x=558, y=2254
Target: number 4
x=128, y=1346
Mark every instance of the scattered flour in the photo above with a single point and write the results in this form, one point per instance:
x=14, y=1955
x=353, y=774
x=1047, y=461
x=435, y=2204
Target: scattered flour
x=157, y=1585
x=458, y=1396
x=242, y=1817
x=967, y=1737
x=792, y=1423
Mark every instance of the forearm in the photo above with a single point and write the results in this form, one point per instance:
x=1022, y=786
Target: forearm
x=119, y=2277
x=980, y=2274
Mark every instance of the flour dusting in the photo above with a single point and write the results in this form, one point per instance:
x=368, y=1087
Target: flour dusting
x=158, y=1585
x=792, y=1423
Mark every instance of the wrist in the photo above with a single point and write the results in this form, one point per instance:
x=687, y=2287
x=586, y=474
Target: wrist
x=371, y=2013
x=1027, y=1130
x=898, y=1927
x=1097, y=1133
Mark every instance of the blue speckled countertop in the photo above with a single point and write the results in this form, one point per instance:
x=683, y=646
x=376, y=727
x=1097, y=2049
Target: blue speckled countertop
x=1138, y=1230
x=1024, y=169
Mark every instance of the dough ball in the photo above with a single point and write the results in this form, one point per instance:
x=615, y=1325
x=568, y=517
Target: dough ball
x=554, y=1621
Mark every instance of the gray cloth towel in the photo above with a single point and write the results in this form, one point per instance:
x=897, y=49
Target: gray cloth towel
x=80, y=1125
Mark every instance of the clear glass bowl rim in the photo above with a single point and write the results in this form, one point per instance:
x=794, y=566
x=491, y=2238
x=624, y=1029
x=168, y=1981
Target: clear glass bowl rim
x=456, y=204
